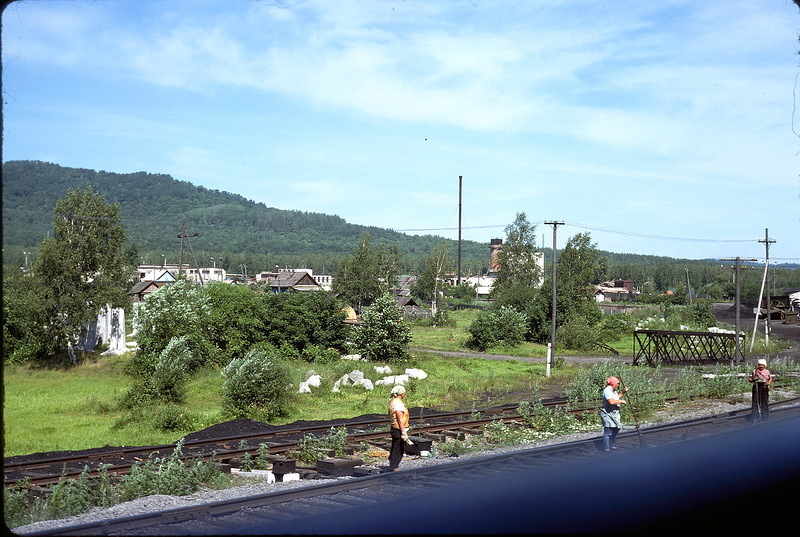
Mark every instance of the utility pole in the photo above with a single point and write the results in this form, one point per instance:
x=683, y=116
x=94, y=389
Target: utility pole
x=552, y=347
x=688, y=286
x=186, y=236
x=458, y=270
x=738, y=350
x=767, y=242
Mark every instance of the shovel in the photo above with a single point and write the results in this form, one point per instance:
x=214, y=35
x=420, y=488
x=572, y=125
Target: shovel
x=633, y=412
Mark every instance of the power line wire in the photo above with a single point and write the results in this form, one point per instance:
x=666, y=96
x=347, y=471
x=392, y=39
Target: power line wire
x=595, y=228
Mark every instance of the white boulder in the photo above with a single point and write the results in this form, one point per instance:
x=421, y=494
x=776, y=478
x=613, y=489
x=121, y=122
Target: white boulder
x=416, y=373
x=314, y=380
x=392, y=380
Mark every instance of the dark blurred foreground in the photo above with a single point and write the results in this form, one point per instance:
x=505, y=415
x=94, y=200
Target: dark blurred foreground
x=724, y=484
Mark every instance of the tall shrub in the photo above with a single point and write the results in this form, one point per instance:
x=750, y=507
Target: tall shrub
x=576, y=334
x=236, y=318
x=304, y=319
x=256, y=385
x=178, y=309
x=384, y=335
x=502, y=326
x=167, y=381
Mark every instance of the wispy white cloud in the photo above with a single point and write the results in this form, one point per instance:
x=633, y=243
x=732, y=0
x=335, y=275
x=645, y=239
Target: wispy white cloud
x=543, y=106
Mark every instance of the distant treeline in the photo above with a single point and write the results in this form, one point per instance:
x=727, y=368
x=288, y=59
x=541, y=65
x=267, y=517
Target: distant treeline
x=240, y=235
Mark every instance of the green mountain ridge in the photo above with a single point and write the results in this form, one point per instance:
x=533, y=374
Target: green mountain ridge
x=156, y=207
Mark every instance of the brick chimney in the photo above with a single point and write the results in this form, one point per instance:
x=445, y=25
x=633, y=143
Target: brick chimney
x=495, y=245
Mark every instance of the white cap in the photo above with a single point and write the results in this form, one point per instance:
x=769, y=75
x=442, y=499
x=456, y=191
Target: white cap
x=762, y=361
x=398, y=390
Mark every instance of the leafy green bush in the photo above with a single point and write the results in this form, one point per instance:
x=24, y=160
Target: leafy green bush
x=443, y=318
x=171, y=372
x=69, y=497
x=236, y=319
x=170, y=476
x=175, y=310
x=171, y=417
x=613, y=327
x=313, y=447
x=319, y=355
x=502, y=326
x=576, y=334
x=287, y=351
x=384, y=335
x=167, y=380
x=18, y=506
x=702, y=316
x=256, y=385
x=303, y=319
x=75, y=496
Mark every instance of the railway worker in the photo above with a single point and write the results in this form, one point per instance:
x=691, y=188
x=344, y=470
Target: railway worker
x=398, y=416
x=609, y=413
x=761, y=379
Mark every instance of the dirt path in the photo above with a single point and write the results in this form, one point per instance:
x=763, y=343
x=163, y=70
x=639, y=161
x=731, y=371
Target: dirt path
x=726, y=313
x=568, y=359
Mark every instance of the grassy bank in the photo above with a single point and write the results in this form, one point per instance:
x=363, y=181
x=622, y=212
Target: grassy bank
x=75, y=408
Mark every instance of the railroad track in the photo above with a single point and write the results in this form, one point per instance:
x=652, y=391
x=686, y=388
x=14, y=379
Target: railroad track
x=46, y=471
x=42, y=472
x=672, y=461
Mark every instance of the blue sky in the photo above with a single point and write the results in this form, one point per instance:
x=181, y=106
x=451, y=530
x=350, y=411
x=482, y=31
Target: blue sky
x=664, y=127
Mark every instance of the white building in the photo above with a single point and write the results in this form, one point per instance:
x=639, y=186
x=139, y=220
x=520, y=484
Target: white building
x=483, y=284
x=167, y=272
x=159, y=273
x=208, y=274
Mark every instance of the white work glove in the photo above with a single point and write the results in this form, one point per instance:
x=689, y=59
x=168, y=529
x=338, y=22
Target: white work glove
x=406, y=439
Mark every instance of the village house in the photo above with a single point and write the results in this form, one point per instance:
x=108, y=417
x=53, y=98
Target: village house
x=158, y=273
x=141, y=290
x=152, y=278
x=615, y=291
x=324, y=281
x=206, y=275
x=291, y=280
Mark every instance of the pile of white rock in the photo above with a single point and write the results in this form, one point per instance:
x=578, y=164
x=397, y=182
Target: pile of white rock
x=358, y=378
x=722, y=330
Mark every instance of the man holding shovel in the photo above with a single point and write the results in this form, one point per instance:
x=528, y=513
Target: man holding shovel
x=609, y=413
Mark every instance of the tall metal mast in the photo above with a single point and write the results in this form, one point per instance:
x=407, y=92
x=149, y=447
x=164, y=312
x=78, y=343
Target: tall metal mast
x=458, y=276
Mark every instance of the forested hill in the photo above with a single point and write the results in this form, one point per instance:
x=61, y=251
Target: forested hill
x=155, y=207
